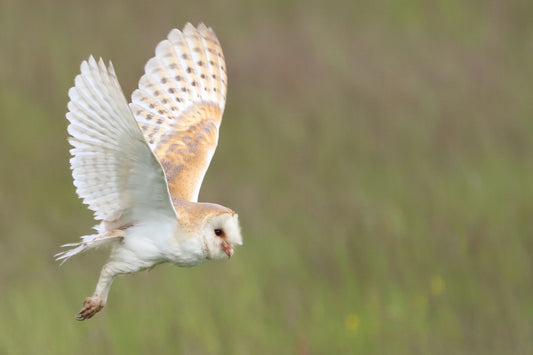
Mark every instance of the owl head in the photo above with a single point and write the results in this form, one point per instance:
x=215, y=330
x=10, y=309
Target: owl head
x=221, y=232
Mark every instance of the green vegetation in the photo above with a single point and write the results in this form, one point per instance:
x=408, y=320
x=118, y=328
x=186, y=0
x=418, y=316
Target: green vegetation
x=379, y=156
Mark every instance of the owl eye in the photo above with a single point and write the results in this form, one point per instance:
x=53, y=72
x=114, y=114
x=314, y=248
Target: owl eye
x=219, y=232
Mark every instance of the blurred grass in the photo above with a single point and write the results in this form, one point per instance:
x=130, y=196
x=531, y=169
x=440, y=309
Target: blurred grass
x=379, y=155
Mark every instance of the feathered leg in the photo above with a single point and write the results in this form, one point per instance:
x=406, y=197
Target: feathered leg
x=97, y=301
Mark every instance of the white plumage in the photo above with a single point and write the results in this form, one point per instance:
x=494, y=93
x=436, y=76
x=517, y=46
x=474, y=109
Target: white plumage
x=139, y=167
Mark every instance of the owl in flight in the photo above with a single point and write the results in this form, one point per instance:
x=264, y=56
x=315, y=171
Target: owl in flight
x=139, y=167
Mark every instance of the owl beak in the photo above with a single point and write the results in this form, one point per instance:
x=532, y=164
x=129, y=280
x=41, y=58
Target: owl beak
x=227, y=249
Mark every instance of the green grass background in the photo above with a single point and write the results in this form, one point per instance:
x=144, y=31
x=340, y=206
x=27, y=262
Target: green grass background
x=379, y=155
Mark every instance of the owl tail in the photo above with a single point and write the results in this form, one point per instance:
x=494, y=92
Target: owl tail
x=88, y=242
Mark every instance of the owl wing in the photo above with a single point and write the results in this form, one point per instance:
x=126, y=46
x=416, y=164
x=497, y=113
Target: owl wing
x=179, y=105
x=114, y=170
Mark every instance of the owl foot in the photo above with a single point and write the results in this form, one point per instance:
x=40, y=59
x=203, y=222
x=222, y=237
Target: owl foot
x=91, y=306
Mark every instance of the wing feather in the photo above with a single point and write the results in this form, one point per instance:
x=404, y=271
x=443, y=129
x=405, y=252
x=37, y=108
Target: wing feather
x=179, y=104
x=110, y=157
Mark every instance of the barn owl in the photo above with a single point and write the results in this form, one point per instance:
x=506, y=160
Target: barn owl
x=139, y=166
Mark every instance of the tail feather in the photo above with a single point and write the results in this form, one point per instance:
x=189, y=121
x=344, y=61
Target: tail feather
x=88, y=242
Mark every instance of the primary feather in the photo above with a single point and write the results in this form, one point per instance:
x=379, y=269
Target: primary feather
x=114, y=171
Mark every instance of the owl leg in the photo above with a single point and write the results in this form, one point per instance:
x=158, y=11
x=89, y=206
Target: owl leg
x=97, y=301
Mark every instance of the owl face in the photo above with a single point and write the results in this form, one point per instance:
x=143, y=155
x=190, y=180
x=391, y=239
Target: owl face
x=221, y=233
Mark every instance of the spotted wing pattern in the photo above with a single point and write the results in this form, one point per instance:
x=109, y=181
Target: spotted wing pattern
x=179, y=106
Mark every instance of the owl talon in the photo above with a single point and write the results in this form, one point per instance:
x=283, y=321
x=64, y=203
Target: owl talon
x=91, y=306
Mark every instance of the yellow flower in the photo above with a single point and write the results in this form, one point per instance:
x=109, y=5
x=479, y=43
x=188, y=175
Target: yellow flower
x=437, y=285
x=352, y=322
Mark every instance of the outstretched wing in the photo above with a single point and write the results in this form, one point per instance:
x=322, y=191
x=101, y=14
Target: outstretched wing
x=179, y=105
x=114, y=170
